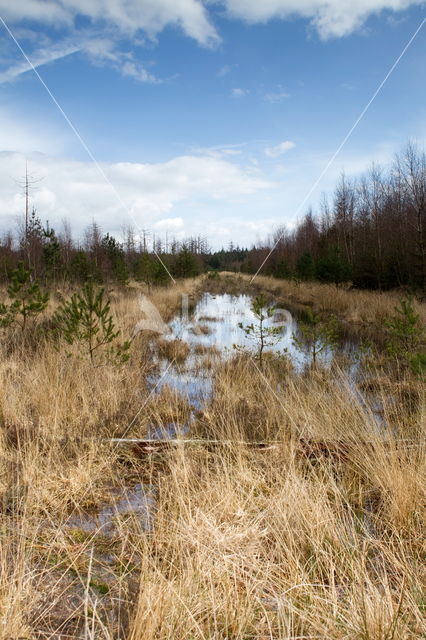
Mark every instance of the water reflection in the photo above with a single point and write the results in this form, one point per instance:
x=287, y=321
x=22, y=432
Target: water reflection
x=215, y=323
x=213, y=331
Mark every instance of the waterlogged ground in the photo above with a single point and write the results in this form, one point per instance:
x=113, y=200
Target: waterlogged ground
x=209, y=334
x=139, y=499
x=213, y=331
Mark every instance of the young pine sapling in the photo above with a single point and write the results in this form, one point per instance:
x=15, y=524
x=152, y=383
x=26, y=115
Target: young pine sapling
x=405, y=336
x=86, y=318
x=27, y=299
x=316, y=335
x=262, y=334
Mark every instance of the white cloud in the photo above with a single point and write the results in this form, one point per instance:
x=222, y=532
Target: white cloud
x=223, y=71
x=241, y=231
x=237, y=92
x=136, y=20
x=216, y=198
x=129, y=16
x=24, y=134
x=220, y=151
x=279, y=149
x=138, y=72
x=49, y=11
x=100, y=50
x=331, y=18
x=40, y=58
x=276, y=96
x=151, y=192
x=103, y=50
x=169, y=224
x=226, y=69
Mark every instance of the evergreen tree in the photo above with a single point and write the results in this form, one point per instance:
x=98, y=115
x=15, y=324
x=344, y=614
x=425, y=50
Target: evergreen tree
x=51, y=253
x=81, y=269
x=149, y=269
x=186, y=265
x=305, y=266
x=406, y=334
x=316, y=335
x=281, y=270
x=27, y=299
x=32, y=243
x=86, y=318
x=263, y=335
x=333, y=268
x=115, y=254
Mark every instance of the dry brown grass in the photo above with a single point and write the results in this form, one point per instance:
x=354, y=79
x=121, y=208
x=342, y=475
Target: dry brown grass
x=201, y=330
x=250, y=547
x=174, y=350
x=246, y=544
x=271, y=544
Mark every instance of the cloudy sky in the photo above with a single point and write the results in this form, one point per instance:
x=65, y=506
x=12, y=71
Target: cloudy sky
x=211, y=117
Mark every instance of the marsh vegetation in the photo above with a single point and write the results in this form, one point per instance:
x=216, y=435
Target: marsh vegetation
x=290, y=502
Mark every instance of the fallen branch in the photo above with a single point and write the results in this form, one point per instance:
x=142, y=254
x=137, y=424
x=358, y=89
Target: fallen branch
x=312, y=449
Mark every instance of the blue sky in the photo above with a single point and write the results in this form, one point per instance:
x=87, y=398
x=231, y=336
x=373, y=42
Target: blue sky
x=211, y=118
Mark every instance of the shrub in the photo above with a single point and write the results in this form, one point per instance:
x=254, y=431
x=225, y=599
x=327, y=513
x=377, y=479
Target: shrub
x=186, y=265
x=213, y=275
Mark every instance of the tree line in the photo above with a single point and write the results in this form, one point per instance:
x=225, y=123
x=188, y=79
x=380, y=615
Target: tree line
x=371, y=232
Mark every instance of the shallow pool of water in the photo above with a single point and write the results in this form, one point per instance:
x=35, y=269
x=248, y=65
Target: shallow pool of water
x=220, y=316
x=215, y=329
